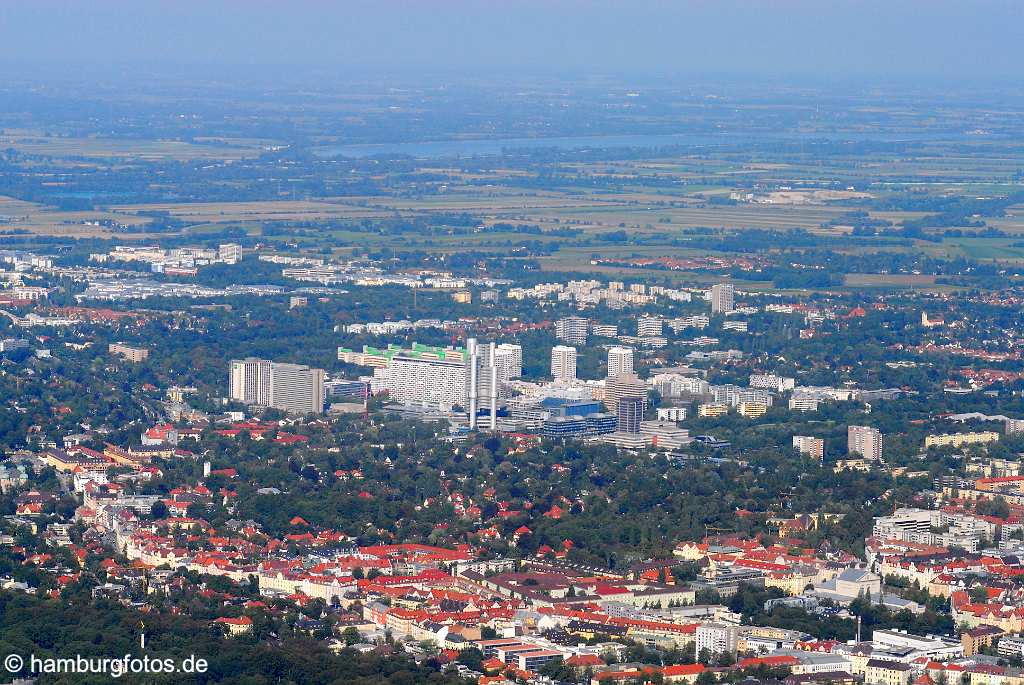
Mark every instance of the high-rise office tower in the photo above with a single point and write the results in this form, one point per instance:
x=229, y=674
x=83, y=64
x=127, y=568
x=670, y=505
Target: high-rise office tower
x=563, y=363
x=620, y=360
x=723, y=296
x=572, y=329
x=251, y=382
x=486, y=369
x=630, y=414
x=294, y=388
x=297, y=389
x=865, y=441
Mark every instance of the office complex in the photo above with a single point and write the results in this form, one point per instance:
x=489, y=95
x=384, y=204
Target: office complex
x=563, y=363
x=472, y=379
x=572, y=329
x=722, y=298
x=344, y=388
x=620, y=360
x=865, y=441
x=293, y=388
x=296, y=388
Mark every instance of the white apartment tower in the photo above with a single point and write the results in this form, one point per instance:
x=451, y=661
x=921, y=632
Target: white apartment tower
x=723, y=296
x=509, y=360
x=620, y=360
x=865, y=441
x=563, y=363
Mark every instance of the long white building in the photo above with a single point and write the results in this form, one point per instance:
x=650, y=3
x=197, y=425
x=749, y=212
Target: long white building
x=474, y=381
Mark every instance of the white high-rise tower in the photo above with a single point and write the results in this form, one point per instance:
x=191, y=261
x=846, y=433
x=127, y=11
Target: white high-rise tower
x=620, y=360
x=563, y=363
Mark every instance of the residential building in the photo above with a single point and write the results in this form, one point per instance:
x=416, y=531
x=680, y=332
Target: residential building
x=982, y=637
x=865, y=441
x=811, y=446
x=572, y=329
x=508, y=359
x=647, y=326
x=563, y=363
x=803, y=403
x=672, y=413
x=752, y=409
x=723, y=297
x=960, y=439
x=880, y=672
x=717, y=638
x=772, y=382
x=132, y=354
x=620, y=360
x=712, y=409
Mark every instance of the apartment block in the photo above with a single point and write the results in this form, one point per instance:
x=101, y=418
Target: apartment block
x=723, y=296
x=563, y=363
x=132, y=354
x=811, y=446
x=865, y=441
x=572, y=329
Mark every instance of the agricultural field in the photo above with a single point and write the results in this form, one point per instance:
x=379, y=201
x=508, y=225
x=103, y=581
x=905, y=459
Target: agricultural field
x=18, y=216
x=94, y=148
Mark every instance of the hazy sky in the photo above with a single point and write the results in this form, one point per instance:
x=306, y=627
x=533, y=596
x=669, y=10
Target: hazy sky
x=935, y=39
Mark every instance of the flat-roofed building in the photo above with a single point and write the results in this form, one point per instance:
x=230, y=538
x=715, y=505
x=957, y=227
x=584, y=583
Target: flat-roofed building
x=132, y=354
x=809, y=445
